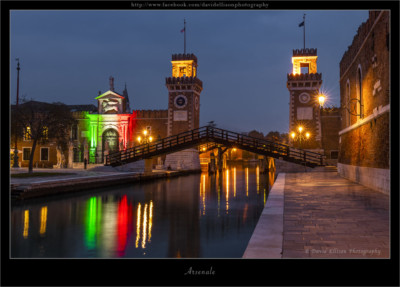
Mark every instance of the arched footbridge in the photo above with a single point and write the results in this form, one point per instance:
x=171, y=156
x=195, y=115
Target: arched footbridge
x=208, y=134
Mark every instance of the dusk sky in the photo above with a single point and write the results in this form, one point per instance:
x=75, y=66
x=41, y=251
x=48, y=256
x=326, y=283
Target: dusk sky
x=244, y=57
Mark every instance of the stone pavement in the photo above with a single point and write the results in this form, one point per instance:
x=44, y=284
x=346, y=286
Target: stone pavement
x=325, y=216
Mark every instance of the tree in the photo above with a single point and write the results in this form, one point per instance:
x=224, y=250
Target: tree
x=256, y=134
x=273, y=136
x=40, y=122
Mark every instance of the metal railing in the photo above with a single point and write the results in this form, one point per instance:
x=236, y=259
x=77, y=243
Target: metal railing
x=208, y=134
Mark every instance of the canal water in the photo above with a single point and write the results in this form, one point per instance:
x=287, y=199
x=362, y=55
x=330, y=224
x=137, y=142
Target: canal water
x=194, y=216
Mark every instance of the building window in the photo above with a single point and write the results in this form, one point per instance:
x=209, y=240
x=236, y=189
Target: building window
x=45, y=133
x=26, y=153
x=74, y=132
x=76, y=155
x=360, y=102
x=304, y=68
x=44, y=153
x=27, y=134
x=334, y=154
x=182, y=71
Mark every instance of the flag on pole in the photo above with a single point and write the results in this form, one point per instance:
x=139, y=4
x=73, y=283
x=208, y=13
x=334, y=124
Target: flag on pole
x=301, y=24
x=183, y=30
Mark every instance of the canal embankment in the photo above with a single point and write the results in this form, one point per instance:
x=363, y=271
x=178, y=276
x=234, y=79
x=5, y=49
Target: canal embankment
x=81, y=180
x=319, y=214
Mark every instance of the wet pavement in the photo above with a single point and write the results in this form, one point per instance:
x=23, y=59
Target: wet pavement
x=327, y=216
x=324, y=216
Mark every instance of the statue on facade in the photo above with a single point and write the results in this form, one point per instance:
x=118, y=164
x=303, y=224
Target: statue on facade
x=58, y=149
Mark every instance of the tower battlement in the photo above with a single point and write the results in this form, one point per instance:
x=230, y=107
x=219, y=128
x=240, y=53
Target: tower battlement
x=184, y=57
x=304, y=77
x=304, y=52
x=183, y=81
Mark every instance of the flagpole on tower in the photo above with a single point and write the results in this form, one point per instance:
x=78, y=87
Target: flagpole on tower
x=304, y=30
x=184, y=35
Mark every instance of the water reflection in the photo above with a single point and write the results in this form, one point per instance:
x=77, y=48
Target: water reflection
x=43, y=220
x=178, y=217
x=26, y=224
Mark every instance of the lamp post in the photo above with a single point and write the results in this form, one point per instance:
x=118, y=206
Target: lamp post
x=300, y=136
x=16, y=165
x=146, y=138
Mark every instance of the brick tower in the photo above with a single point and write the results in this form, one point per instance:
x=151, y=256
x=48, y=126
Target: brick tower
x=303, y=84
x=184, y=90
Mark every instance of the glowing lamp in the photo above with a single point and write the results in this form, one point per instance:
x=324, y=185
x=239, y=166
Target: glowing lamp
x=293, y=135
x=234, y=149
x=139, y=139
x=145, y=132
x=321, y=100
x=300, y=128
x=307, y=135
x=150, y=139
x=204, y=149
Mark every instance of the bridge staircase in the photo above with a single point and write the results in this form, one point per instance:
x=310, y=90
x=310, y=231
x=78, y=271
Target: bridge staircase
x=212, y=136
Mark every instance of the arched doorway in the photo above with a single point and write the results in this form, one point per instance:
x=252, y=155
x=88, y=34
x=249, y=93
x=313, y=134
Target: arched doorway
x=111, y=137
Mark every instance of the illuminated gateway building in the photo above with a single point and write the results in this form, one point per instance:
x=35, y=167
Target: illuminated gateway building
x=112, y=126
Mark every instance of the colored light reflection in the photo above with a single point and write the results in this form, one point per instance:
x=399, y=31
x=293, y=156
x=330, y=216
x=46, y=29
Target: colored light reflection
x=227, y=191
x=247, y=181
x=258, y=178
x=143, y=227
x=203, y=193
x=43, y=220
x=138, y=226
x=93, y=221
x=150, y=219
x=234, y=182
x=124, y=218
x=26, y=224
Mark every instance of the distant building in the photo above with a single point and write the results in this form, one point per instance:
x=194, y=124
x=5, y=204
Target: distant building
x=111, y=126
x=311, y=127
x=364, y=95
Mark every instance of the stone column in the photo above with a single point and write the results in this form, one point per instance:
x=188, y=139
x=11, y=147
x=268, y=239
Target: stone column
x=148, y=166
x=70, y=155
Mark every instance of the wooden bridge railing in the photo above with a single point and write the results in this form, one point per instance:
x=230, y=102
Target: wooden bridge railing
x=211, y=134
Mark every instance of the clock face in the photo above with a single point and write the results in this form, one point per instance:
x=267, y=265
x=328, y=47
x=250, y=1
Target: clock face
x=304, y=98
x=196, y=103
x=180, y=101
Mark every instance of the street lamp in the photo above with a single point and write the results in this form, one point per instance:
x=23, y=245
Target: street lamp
x=300, y=136
x=146, y=138
x=321, y=100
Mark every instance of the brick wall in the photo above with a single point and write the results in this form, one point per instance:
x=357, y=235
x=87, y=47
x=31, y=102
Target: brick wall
x=368, y=144
x=330, y=126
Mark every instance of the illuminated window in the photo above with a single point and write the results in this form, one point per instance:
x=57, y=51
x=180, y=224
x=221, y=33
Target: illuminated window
x=44, y=153
x=26, y=153
x=27, y=134
x=182, y=71
x=45, y=134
